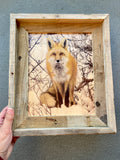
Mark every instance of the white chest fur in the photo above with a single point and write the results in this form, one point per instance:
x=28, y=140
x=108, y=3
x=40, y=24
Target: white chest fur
x=60, y=69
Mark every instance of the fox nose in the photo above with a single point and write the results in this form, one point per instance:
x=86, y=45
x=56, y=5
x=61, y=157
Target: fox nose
x=58, y=61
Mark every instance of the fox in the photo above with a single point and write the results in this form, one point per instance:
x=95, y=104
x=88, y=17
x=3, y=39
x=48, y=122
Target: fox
x=62, y=69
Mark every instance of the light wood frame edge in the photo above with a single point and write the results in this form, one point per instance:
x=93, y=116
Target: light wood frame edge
x=108, y=76
x=12, y=59
x=63, y=131
x=59, y=16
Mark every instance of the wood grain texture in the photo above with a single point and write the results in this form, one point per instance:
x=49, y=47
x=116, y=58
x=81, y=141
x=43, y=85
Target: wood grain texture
x=21, y=97
x=12, y=64
x=83, y=17
x=59, y=23
x=62, y=121
x=108, y=75
x=62, y=131
x=98, y=25
x=99, y=77
x=60, y=28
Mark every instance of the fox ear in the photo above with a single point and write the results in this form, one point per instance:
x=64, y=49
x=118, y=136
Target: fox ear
x=63, y=43
x=50, y=43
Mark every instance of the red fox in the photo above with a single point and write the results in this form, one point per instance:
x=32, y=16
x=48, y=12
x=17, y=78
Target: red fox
x=62, y=69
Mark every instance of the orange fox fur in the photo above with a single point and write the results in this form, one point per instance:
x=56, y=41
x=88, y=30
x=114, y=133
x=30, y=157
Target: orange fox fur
x=62, y=69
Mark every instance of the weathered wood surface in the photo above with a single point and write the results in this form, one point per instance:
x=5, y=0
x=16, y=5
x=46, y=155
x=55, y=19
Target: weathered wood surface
x=12, y=64
x=99, y=77
x=66, y=23
x=62, y=121
x=108, y=75
x=36, y=17
x=98, y=25
x=21, y=77
x=18, y=70
x=62, y=131
x=60, y=28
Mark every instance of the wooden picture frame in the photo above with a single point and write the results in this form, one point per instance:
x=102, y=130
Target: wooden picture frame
x=96, y=24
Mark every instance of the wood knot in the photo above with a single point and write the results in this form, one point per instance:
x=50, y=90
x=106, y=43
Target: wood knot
x=53, y=120
x=12, y=73
x=19, y=58
x=98, y=104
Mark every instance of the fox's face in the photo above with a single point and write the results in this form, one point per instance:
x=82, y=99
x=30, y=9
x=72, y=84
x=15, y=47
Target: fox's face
x=58, y=54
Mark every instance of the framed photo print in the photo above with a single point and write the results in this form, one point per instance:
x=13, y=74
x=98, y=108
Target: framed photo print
x=60, y=74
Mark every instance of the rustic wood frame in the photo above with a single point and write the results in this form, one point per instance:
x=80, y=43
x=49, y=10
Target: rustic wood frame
x=97, y=24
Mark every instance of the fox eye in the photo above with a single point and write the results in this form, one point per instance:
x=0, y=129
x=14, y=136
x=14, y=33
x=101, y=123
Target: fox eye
x=54, y=54
x=61, y=53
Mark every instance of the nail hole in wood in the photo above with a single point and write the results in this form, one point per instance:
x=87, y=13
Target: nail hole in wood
x=19, y=58
x=57, y=16
x=98, y=104
x=55, y=122
x=12, y=73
